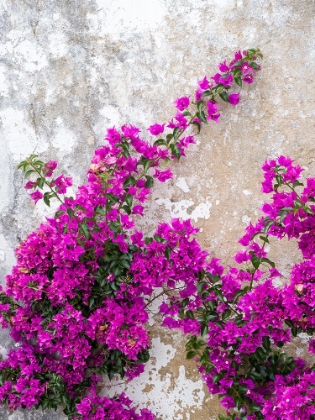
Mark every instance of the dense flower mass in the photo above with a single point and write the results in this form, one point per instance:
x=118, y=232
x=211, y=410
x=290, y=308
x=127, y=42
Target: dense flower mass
x=239, y=320
x=75, y=300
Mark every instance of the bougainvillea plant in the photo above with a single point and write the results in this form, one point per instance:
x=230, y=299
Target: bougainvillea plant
x=75, y=301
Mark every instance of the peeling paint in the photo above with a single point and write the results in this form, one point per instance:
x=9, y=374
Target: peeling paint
x=184, y=209
x=171, y=394
x=182, y=184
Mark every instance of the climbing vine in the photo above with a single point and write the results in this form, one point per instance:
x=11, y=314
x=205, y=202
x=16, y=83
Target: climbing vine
x=75, y=300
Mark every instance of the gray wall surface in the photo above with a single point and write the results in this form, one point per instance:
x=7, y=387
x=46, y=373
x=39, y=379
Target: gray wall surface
x=69, y=69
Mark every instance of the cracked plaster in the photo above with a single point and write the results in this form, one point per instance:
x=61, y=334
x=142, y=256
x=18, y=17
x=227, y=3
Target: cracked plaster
x=69, y=69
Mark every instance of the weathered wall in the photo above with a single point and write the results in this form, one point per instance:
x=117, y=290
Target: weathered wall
x=71, y=68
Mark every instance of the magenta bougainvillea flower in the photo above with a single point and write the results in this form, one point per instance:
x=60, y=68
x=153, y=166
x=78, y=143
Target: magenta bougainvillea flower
x=36, y=195
x=204, y=84
x=156, y=129
x=182, y=103
x=234, y=98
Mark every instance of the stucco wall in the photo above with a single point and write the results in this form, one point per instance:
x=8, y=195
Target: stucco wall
x=71, y=68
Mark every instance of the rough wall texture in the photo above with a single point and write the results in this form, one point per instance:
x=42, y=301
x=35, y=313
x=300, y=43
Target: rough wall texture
x=71, y=68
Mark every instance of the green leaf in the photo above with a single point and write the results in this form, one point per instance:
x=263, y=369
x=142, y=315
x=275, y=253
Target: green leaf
x=308, y=211
x=254, y=375
x=85, y=230
x=112, y=199
x=125, y=264
x=219, y=294
x=226, y=314
x=254, y=65
x=200, y=286
x=196, y=123
x=202, y=117
x=264, y=238
x=238, y=81
x=242, y=388
x=190, y=314
x=159, y=238
x=238, y=63
x=65, y=399
x=176, y=133
x=289, y=323
x=255, y=408
x=29, y=172
x=238, y=402
x=185, y=302
x=204, y=330
x=91, y=301
x=114, y=226
x=125, y=152
x=256, y=261
x=128, y=199
x=24, y=164
x=70, y=212
x=159, y=142
x=168, y=252
x=169, y=138
x=129, y=181
x=260, y=353
x=47, y=198
x=32, y=157
x=200, y=105
x=175, y=151
x=146, y=164
x=240, y=293
x=217, y=87
x=191, y=354
x=289, y=360
x=127, y=209
x=206, y=93
x=266, y=260
x=216, y=378
x=148, y=240
x=223, y=95
x=38, y=163
x=267, y=226
x=149, y=181
x=212, y=278
x=266, y=343
x=279, y=179
x=236, y=73
x=41, y=182
x=211, y=304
